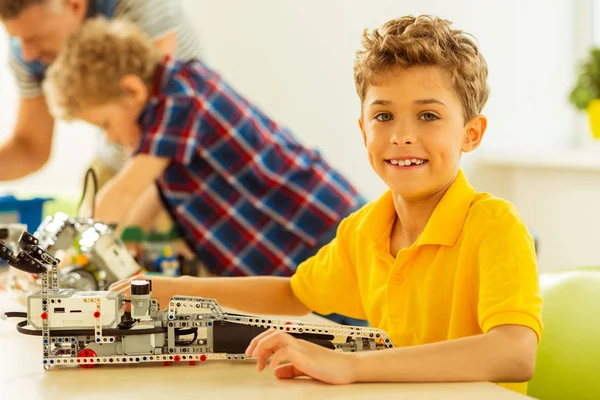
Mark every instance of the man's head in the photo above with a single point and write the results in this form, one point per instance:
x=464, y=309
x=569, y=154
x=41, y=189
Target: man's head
x=103, y=75
x=422, y=86
x=42, y=25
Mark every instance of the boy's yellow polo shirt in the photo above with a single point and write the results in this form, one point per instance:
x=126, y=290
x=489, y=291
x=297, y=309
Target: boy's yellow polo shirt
x=472, y=268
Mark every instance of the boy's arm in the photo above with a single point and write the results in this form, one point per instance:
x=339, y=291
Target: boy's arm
x=504, y=354
x=324, y=283
x=144, y=211
x=116, y=198
x=255, y=295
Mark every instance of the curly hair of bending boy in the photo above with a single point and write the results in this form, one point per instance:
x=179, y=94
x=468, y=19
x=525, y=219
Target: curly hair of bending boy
x=424, y=40
x=92, y=62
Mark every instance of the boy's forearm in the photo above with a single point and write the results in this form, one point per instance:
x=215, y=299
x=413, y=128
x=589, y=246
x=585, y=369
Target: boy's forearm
x=475, y=358
x=115, y=200
x=254, y=295
x=144, y=210
x=113, y=203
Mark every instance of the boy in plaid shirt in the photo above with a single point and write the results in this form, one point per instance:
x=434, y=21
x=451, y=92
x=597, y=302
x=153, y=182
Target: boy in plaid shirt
x=247, y=196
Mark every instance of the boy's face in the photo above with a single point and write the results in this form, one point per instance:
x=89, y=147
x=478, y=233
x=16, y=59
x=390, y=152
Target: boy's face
x=42, y=28
x=119, y=121
x=414, y=131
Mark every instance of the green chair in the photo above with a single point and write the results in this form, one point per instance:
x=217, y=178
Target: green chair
x=568, y=360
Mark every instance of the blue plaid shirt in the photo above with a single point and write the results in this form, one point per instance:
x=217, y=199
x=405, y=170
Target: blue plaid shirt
x=247, y=196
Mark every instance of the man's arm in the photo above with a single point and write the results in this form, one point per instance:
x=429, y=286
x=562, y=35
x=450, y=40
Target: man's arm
x=167, y=44
x=158, y=19
x=117, y=197
x=29, y=147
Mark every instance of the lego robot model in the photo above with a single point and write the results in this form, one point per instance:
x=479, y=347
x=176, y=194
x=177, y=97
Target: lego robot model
x=98, y=242
x=18, y=282
x=85, y=328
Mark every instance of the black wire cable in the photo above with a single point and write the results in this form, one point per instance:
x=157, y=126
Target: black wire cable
x=183, y=332
x=127, y=324
x=92, y=173
x=87, y=332
x=13, y=314
x=123, y=330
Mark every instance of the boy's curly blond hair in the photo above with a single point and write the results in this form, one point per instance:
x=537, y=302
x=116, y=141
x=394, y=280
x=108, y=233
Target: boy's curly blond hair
x=92, y=62
x=425, y=40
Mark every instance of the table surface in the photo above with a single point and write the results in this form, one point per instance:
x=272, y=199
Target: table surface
x=22, y=376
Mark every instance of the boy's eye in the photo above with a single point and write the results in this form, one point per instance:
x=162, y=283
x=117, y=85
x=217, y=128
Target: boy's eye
x=428, y=117
x=384, y=117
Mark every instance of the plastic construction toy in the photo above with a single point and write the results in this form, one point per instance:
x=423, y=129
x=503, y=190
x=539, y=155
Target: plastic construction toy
x=91, y=327
x=18, y=283
x=11, y=232
x=159, y=251
x=109, y=259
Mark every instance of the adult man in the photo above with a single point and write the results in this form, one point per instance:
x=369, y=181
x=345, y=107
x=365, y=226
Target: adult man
x=37, y=29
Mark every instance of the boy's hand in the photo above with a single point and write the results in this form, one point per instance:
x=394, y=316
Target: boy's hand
x=163, y=288
x=304, y=358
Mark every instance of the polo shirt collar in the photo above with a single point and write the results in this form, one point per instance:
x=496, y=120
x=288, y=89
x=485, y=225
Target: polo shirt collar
x=377, y=222
x=448, y=218
x=164, y=72
x=444, y=225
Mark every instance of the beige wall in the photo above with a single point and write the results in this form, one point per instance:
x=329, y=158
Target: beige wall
x=558, y=196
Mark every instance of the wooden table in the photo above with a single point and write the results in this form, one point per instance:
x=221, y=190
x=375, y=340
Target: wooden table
x=22, y=377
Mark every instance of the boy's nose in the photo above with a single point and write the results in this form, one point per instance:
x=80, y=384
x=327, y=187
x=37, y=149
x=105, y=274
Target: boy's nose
x=402, y=138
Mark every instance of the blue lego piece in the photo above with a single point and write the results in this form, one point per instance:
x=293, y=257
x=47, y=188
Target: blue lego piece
x=28, y=212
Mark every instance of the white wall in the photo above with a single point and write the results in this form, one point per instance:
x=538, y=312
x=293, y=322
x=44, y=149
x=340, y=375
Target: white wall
x=294, y=58
x=558, y=198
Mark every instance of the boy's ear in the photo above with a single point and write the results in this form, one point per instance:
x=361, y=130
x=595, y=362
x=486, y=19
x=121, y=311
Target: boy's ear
x=76, y=6
x=474, y=132
x=361, y=124
x=135, y=88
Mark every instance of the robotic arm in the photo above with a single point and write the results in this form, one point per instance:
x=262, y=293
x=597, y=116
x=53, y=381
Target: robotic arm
x=100, y=244
x=30, y=260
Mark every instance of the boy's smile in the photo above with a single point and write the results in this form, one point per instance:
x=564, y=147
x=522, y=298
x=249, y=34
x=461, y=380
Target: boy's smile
x=406, y=163
x=414, y=130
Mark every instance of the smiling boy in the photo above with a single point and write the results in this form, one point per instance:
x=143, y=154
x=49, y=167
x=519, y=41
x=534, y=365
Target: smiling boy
x=449, y=273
